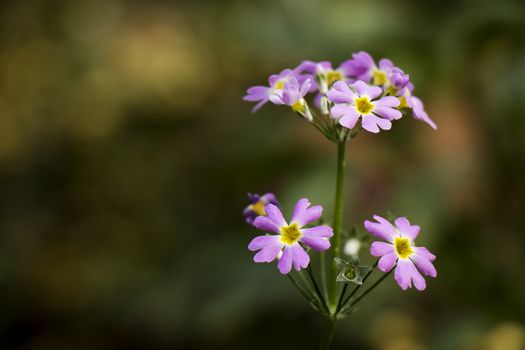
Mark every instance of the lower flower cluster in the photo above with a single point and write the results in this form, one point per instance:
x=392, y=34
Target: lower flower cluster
x=289, y=242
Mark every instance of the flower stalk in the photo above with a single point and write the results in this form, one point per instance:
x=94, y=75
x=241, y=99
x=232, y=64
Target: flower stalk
x=338, y=221
x=328, y=333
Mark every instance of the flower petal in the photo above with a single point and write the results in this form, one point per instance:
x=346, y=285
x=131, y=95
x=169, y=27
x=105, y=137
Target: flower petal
x=261, y=242
x=303, y=216
x=386, y=262
x=349, y=120
x=300, y=258
x=274, y=214
x=361, y=87
x=402, y=274
x=419, y=111
x=373, y=123
x=424, y=252
x=257, y=93
x=385, y=64
x=305, y=87
x=285, y=263
x=424, y=265
x=342, y=110
x=340, y=93
x=317, y=243
x=406, y=273
x=418, y=280
x=381, y=248
x=301, y=205
x=381, y=229
x=259, y=105
x=373, y=91
x=268, y=253
x=318, y=231
x=406, y=229
x=266, y=224
x=387, y=101
x=388, y=112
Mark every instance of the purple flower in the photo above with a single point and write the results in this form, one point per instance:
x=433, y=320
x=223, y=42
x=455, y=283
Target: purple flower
x=257, y=204
x=360, y=66
x=412, y=261
x=289, y=237
x=398, y=79
x=363, y=103
x=261, y=94
x=293, y=96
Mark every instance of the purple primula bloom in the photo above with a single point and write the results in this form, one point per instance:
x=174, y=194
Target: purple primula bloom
x=293, y=96
x=285, y=245
x=398, y=79
x=360, y=66
x=261, y=94
x=257, y=204
x=412, y=261
x=349, y=106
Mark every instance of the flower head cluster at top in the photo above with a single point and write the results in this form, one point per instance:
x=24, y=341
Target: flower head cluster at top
x=359, y=91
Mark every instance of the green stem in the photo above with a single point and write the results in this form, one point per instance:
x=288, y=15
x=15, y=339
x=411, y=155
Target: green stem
x=322, y=263
x=301, y=289
x=317, y=290
x=338, y=220
x=341, y=304
x=372, y=287
x=318, y=301
x=328, y=332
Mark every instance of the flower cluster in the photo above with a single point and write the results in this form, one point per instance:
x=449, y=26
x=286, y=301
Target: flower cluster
x=357, y=95
x=357, y=90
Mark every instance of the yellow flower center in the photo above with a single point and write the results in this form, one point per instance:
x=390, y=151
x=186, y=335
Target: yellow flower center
x=290, y=234
x=258, y=208
x=380, y=77
x=392, y=91
x=363, y=105
x=402, y=102
x=333, y=76
x=298, y=106
x=403, y=248
x=279, y=85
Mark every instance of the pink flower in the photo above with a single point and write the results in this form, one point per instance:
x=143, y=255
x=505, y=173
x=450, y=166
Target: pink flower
x=286, y=245
x=363, y=102
x=412, y=261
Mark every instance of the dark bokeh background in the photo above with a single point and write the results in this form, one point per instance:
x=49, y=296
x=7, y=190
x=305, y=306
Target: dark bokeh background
x=126, y=152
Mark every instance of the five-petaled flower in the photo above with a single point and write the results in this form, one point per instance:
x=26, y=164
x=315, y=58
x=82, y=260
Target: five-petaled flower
x=293, y=95
x=257, y=204
x=290, y=236
x=376, y=113
x=261, y=94
x=412, y=261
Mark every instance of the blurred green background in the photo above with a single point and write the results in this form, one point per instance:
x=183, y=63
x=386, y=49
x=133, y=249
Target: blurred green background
x=126, y=153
